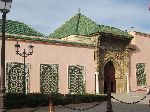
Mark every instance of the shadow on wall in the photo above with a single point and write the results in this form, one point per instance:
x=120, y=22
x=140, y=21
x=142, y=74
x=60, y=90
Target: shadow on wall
x=134, y=48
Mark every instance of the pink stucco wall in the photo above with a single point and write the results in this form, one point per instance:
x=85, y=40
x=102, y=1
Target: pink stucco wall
x=63, y=55
x=142, y=55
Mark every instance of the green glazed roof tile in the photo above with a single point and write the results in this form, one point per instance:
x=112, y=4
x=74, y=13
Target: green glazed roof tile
x=15, y=27
x=86, y=26
x=80, y=24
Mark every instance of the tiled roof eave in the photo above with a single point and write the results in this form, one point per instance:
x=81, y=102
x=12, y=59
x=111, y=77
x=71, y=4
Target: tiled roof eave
x=16, y=35
x=41, y=39
x=97, y=33
x=142, y=34
x=117, y=36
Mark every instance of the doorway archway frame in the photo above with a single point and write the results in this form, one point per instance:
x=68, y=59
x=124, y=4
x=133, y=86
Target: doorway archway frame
x=109, y=75
x=120, y=62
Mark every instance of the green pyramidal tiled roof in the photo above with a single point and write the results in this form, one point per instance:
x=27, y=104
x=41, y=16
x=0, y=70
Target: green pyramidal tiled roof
x=15, y=27
x=80, y=24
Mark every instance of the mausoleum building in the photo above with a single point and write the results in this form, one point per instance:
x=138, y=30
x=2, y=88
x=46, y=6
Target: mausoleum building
x=79, y=57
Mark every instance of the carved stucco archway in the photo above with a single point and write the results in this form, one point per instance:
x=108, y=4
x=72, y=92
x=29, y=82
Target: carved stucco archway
x=120, y=62
x=119, y=57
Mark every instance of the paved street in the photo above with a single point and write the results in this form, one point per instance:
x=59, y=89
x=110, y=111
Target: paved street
x=143, y=106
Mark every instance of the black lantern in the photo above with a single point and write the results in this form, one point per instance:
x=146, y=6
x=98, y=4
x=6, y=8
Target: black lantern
x=5, y=5
x=31, y=49
x=24, y=54
x=17, y=46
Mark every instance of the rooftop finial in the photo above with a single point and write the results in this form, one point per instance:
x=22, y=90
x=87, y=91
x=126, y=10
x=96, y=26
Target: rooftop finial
x=79, y=10
x=132, y=28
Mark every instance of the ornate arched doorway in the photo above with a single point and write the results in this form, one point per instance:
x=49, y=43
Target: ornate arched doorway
x=109, y=72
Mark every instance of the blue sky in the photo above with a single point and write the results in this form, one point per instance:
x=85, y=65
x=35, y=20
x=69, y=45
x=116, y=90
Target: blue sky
x=47, y=15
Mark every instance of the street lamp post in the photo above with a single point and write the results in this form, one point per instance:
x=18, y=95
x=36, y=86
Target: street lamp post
x=24, y=55
x=5, y=6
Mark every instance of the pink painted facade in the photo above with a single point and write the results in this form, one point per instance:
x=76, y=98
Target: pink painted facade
x=63, y=55
x=77, y=45
x=141, y=44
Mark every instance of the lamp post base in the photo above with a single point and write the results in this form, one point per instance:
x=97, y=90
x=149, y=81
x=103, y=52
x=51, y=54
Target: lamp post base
x=2, y=102
x=109, y=110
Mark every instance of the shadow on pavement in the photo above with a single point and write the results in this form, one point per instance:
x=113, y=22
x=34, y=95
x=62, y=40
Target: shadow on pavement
x=117, y=107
